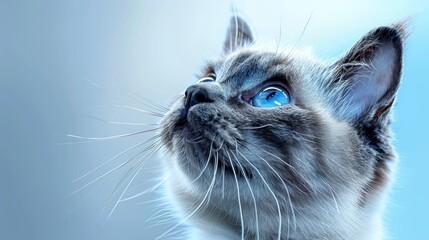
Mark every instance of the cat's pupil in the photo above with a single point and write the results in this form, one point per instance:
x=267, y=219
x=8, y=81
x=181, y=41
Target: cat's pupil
x=272, y=94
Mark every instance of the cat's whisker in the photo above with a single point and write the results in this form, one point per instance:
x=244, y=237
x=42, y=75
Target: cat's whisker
x=223, y=176
x=250, y=189
x=103, y=91
x=137, y=171
x=98, y=139
x=123, y=123
x=308, y=186
x=307, y=137
x=134, y=108
x=306, y=181
x=107, y=93
x=238, y=196
x=298, y=134
x=220, y=146
x=237, y=64
x=207, y=163
x=157, y=215
x=257, y=127
x=270, y=190
x=108, y=172
x=215, y=168
x=154, y=147
x=333, y=194
x=156, y=114
x=302, y=34
x=196, y=140
x=280, y=36
x=205, y=197
x=82, y=200
x=148, y=181
x=234, y=7
x=284, y=185
x=146, y=102
x=144, y=192
x=177, y=234
x=113, y=169
x=157, y=200
x=156, y=137
x=161, y=217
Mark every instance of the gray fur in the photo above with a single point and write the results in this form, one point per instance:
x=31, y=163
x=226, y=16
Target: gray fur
x=312, y=169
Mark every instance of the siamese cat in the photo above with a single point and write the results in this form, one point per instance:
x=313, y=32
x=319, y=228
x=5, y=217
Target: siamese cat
x=275, y=144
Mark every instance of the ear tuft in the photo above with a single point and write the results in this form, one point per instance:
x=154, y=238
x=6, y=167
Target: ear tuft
x=238, y=35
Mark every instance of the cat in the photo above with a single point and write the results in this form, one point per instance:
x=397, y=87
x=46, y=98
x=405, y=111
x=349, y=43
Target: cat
x=272, y=144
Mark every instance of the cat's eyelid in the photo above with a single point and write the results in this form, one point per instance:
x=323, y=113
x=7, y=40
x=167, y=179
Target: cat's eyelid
x=208, y=70
x=212, y=75
x=247, y=95
x=208, y=78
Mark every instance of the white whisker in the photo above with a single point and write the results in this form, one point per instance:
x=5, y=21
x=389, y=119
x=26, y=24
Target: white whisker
x=138, y=169
x=97, y=139
x=279, y=236
x=123, y=123
x=284, y=185
x=251, y=192
x=144, y=192
x=156, y=114
x=110, y=171
x=197, y=208
x=207, y=163
x=123, y=180
x=238, y=196
x=117, y=156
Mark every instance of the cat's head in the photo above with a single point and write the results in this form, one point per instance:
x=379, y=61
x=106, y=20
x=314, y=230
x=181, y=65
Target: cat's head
x=269, y=136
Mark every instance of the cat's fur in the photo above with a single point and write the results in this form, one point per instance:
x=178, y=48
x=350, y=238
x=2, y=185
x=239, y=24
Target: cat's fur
x=317, y=168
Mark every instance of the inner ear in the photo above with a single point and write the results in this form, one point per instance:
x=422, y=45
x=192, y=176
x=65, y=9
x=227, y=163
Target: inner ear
x=238, y=35
x=368, y=76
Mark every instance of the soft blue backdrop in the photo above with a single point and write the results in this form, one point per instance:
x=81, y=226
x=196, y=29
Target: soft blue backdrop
x=54, y=54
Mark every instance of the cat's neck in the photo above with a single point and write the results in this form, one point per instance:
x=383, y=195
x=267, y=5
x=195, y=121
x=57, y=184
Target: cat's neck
x=334, y=217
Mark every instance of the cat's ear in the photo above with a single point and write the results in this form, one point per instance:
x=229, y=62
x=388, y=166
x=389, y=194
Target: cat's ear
x=238, y=35
x=368, y=76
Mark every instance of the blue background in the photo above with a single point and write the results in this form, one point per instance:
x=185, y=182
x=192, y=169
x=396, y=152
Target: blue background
x=54, y=54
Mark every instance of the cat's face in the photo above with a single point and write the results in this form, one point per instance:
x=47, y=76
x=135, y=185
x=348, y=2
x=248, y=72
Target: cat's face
x=275, y=141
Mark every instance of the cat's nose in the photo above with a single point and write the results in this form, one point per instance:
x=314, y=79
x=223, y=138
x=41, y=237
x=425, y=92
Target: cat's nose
x=195, y=95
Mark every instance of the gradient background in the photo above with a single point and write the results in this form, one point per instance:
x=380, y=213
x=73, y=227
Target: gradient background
x=53, y=53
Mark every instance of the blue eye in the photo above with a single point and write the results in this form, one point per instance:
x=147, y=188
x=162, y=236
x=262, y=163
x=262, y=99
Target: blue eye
x=270, y=97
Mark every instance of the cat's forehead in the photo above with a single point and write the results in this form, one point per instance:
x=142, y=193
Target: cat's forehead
x=248, y=63
x=246, y=68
